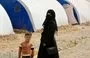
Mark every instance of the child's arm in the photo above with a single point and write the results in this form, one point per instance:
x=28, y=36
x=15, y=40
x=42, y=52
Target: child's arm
x=32, y=51
x=19, y=52
x=32, y=55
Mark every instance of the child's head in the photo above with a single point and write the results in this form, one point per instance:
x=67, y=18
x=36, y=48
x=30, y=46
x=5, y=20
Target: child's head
x=28, y=36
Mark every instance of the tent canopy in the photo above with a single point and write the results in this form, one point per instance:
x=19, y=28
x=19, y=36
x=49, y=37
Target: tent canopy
x=74, y=10
x=39, y=9
x=5, y=23
x=18, y=15
x=83, y=8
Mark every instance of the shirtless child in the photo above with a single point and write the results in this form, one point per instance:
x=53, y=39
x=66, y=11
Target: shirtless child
x=25, y=49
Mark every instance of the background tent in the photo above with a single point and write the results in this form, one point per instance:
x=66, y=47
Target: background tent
x=5, y=23
x=88, y=0
x=83, y=8
x=18, y=15
x=38, y=9
x=71, y=12
x=62, y=2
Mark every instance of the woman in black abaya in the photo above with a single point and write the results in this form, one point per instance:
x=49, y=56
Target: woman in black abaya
x=47, y=37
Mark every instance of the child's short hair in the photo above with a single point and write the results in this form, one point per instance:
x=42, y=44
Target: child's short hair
x=28, y=34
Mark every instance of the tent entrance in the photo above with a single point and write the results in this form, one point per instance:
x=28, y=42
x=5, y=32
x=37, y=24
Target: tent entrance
x=71, y=14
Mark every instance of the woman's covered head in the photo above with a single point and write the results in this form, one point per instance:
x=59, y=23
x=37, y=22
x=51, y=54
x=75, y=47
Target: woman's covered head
x=50, y=17
x=50, y=13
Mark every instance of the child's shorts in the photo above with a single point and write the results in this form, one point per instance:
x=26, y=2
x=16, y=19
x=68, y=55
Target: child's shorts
x=26, y=57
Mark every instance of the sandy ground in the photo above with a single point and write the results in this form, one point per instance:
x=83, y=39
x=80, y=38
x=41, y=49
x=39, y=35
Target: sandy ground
x=72, y=41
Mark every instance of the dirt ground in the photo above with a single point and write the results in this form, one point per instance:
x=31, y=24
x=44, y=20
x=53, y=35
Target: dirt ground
x=72, y=41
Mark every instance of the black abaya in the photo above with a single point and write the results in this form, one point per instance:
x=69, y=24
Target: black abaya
x=48, y=40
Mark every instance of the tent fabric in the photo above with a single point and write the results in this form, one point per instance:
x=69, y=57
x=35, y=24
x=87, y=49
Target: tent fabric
x=5, y=23
x=18, y=15
x=82, y=8
x=74, y=12
x=70, y=14
x=30, y=14
x=88, y=0
x=76, y=15
x=62, y=2
x=39, y=9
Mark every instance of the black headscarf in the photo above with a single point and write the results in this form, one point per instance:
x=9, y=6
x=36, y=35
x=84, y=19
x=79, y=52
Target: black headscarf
x=50, y=17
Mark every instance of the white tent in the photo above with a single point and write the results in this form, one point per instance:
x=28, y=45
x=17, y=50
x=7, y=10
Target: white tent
x=39, y=8
x=70, y=14
x=83, y=8
x=5, y=23
x=88, y=0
